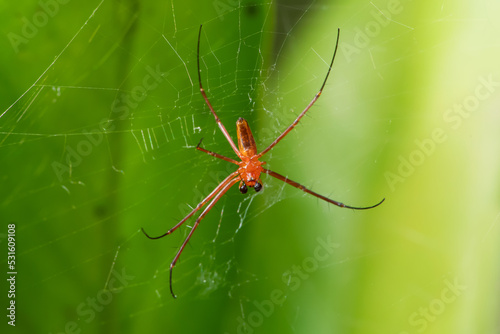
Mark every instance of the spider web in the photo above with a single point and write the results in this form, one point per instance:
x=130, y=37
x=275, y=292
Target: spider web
x=100, y=142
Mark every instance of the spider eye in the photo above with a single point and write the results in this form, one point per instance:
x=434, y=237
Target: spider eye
x=243, y=188
x=257, y=186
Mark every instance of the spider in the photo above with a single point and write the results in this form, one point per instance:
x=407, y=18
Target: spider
x=249, y=166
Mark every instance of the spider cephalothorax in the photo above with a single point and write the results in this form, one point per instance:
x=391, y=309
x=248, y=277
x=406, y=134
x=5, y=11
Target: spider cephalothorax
x=250, y=166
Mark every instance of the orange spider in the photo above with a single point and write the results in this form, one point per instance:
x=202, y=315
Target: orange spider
x=249, y=166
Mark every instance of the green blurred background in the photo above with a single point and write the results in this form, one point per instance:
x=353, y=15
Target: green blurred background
x=100, y=115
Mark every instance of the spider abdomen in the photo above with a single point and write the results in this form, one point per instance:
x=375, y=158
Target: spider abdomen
x=246, y=142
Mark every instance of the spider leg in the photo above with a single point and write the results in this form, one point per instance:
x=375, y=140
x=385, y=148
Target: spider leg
x=202, y=215
x=219, y=123
x=199, y=148
x=221, y=186
x=316, y=97
x=304, y=189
